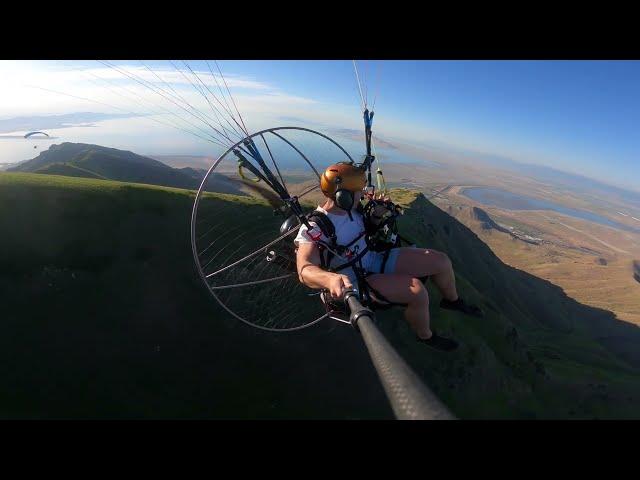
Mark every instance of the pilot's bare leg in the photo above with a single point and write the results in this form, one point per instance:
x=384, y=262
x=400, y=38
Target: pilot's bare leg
x=419, y=262
x=400, y=288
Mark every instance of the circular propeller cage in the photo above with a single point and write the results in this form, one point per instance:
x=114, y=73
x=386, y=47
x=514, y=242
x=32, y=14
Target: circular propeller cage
x=245, y=261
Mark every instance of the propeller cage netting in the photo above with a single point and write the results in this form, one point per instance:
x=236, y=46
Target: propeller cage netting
x=241, y=256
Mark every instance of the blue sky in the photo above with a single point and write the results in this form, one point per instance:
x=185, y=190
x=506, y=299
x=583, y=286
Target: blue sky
x=579, y=116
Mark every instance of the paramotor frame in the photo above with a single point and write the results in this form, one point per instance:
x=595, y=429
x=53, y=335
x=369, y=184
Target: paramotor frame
x=264, y=260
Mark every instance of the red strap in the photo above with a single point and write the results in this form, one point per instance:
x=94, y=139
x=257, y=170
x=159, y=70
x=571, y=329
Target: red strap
x=314, y=236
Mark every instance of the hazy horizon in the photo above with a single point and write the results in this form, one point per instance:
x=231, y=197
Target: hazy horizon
x=14, y=148
x=578, y=117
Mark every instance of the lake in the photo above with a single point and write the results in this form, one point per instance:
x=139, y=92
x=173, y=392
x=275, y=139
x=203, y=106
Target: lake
x=496, y=197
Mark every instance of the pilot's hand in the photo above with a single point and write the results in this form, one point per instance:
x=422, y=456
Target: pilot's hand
x=338, y=285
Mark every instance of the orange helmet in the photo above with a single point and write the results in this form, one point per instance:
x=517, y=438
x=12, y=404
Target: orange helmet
x=342, y=176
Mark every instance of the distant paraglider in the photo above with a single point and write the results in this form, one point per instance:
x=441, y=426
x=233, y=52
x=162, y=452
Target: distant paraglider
x=36, y=136
x=30, y=134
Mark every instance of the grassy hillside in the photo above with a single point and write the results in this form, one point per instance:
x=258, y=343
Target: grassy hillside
x=94, y=161
x=105, y=317
x=68, y=170
x=550, y=356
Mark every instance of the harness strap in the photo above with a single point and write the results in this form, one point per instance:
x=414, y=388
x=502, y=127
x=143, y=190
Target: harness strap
x=355, y=239
x=352, y=262
x=328, y=229
x=385, y=257
x=323, y=221
x=381, y=297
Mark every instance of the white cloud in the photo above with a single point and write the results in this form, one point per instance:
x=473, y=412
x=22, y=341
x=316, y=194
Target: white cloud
x=89, y=86
x=28, y=88
x=157, y=75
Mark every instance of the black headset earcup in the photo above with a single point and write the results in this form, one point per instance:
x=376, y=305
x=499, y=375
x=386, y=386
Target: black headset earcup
x=344, y=199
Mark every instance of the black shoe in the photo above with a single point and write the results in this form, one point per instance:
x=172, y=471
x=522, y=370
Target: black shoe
x=439, y=343
x=460, y=306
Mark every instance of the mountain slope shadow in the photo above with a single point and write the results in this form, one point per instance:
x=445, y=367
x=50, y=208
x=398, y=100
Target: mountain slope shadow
x=105, y=317
x=549, y=355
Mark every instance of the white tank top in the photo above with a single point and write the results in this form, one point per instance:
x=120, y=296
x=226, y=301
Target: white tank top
x=346, y=231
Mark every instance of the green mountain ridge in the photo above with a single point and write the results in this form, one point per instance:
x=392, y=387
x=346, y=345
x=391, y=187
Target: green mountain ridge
x=94, y=161
x=105, y=317
x=68, y=170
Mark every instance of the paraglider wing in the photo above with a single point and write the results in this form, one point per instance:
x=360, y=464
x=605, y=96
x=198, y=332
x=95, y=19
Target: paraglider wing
x=35, y=133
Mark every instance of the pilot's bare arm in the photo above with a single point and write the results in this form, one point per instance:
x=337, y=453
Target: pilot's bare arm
x=310, y=273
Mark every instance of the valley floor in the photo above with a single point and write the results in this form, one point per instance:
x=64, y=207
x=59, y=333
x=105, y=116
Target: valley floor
x=592, y=263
